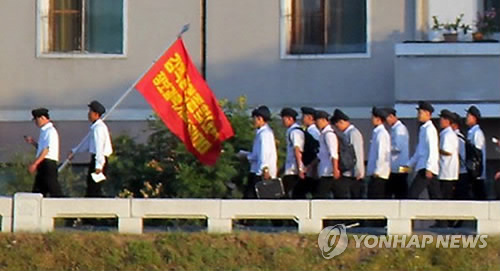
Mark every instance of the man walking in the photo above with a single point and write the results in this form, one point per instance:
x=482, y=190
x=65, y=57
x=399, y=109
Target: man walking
x=47, y=155
x=379, y=156
x=294, y=168
x=328, y=167
x=98, y=143
x=448, y=156
x=263, y=158
x=397, y=185
x=425, y=161
x=351, y=182
x=476, y=137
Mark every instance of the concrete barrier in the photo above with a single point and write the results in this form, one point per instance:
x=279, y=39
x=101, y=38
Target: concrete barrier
x=176, y=208
x=262, y=209
x=33, y=213
x=357, y=209
x=6, y=213
x=85, y=208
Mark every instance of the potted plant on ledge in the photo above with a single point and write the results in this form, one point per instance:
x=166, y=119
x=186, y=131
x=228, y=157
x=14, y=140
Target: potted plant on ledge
x=451, y=34
x=451, y=31
x=485, y=25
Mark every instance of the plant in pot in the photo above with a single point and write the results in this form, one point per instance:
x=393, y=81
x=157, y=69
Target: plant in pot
x=436, y=32
x=485, y=25
x=451, y=34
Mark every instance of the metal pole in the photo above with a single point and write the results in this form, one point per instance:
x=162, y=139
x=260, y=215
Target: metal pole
x=203, y=49
x=184, y=29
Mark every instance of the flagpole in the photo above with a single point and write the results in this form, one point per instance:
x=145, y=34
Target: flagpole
x=184, y=29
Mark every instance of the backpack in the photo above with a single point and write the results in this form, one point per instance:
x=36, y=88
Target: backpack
x=473, y=159
x=347, y=155
x=311, y=146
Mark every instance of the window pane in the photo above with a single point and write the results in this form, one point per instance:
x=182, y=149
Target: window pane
x=327, y=26
x=66, y=26
x=495, y=4
x=62, y=5
x=104, y=26
x=346, y=26
x=307, y=27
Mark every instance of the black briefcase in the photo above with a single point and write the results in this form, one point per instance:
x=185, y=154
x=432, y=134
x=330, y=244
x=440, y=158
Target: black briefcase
x=270, y=189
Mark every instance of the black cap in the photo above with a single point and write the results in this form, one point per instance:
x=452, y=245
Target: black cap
x=423, y=105
x=320, y=114
x=262, y=111
x=473, y=110
x=456, y=118
x=308, y=111
x=97, y=107
x=390, y=111
x=447, y=114
x=379, y=113
x=338, y=115
x=288, y=112
x=39, y=112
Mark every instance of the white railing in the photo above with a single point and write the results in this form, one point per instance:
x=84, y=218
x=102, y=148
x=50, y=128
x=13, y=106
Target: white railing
x=33, y=213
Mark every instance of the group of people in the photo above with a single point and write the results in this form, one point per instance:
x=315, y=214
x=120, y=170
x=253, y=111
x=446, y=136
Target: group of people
x=45, y=165
x=325, y=156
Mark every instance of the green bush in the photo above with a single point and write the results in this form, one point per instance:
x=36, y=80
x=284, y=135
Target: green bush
x=163, y=163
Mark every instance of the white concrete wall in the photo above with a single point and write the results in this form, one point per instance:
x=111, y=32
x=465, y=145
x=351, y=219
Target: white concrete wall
x=33, y=213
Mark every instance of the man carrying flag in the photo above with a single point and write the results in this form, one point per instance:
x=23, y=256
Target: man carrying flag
x=98, y=143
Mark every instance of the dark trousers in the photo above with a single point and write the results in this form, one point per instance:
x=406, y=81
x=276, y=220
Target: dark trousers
x=290, y=184
x=341, y=188
x=355, y=188
x=376, y=188
x=463, y=187
x=397, y=186
x=94, y=190
x=324, y=188
x=46, y=179
x=421, y=182
x=303, y=187
x=249, y=192
x=478, y=190
x=448, y=189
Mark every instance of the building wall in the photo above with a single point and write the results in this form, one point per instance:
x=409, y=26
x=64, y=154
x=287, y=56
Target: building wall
x=244, y=58
x=27, y=81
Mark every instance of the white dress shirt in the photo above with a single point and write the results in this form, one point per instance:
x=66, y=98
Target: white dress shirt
x=314, y=131
x=427, y=153
x=461, y=151
x=98, y=142
x=476, y=137
x=448, y=165
x=264, y=152
x=48, y=139
x=400, y=142
x=294, y=139
x=328, y=150
x=379, y=157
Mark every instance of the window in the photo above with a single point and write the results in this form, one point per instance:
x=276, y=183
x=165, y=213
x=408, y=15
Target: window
x=325, y=27
x=82, y=26
x=494, y=4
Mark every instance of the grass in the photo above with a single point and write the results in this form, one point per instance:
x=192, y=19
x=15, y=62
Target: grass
x=239, y=251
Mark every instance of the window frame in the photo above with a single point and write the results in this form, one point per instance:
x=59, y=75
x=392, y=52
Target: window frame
x=285, y=36
x=42, y=36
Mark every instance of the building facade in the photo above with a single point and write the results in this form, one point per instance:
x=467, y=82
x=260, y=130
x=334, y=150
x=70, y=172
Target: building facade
x=350, y=54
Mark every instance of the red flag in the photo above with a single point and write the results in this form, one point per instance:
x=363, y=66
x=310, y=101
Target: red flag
x=179, y=95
